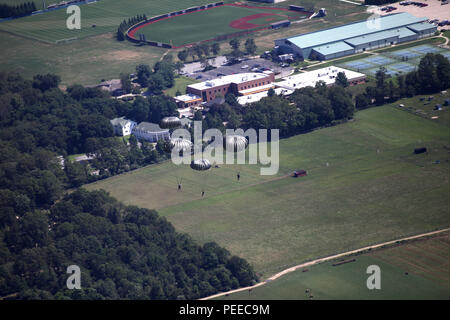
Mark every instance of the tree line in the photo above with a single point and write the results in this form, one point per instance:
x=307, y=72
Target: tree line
x=22, y=9
x=126, y=24
x=432, y=75
x=123, y=251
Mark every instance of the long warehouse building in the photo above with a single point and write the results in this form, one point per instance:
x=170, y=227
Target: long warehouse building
x=356, y=37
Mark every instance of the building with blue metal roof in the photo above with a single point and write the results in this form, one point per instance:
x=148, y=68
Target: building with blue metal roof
x=356, y=37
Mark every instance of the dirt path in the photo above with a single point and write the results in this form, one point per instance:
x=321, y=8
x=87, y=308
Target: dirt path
x=310, y=263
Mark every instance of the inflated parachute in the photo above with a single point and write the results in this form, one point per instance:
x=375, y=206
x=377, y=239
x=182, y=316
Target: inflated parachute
x=182, y=147
x=234, y=143
x=201, y=165
x=180, y=144
x=170, y=122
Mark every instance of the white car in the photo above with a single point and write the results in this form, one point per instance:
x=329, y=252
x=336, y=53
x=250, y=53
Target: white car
x=245, y=66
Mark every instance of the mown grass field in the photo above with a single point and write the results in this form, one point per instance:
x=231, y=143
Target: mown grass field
x=426, y=108
x=180, y=85
x=106, y=15
x=364, y=186
x=86, y=61
x=426, y=263
x=208, y=24
x=96, y=54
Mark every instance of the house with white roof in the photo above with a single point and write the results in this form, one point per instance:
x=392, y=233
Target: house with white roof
x=122, y=126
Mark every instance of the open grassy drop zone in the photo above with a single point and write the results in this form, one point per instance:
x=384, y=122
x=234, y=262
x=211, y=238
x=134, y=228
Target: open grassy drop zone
x=364, y=186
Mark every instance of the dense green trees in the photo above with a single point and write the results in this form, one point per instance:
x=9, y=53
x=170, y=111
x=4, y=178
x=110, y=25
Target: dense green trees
x=22, y=9
x=250, y=46
x=158, y=79
x=123, y=252
x=432, y=75
x=305, y=109
x=126, y=24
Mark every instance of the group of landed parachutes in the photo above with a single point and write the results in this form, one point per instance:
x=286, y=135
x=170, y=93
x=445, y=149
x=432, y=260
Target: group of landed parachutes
x=231, y=143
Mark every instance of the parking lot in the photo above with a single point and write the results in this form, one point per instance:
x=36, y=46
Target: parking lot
x=194, y=70
x=433, y=10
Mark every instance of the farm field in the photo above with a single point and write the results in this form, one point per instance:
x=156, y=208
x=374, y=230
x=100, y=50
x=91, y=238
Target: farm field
x=426, y=263
x=364, y=186
x=213, y=23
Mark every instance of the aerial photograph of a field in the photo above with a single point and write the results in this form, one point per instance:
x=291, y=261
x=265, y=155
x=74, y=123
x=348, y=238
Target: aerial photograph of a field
x=231, y=156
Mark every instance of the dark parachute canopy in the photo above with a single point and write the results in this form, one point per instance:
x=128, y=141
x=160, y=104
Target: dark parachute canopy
x=170, y=122
x=235, y=143
x=201, y=164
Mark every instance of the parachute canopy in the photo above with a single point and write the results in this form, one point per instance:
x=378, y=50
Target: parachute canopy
x=179, y=144
x=201, y=164
x=170, y=122
x=235, y=143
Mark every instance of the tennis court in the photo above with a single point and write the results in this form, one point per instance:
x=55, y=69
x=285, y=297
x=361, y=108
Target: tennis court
x=424, y=49
x=373, y=71
x=358, y=65
x=402, y=67
x=405, y=54
x=379, y=60
x=396, y=62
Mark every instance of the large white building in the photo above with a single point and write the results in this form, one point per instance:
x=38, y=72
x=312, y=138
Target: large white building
x=122, y=126
x=306, y=79
x=150, y=132
x=327, y=75
x=356, y=37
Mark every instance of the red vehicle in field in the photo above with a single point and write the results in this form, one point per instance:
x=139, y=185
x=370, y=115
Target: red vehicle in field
x=299, y=173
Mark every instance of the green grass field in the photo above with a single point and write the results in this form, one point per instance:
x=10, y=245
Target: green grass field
x=208, y=24
x=374, y=189
x=425, y=261
x=180, y=85
x=426, y=108
x=90, y=59
x=105, y=14
x=86, y=61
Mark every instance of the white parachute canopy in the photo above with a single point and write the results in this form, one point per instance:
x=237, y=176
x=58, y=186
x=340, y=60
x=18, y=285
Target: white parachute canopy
x=201, y=165
x=180, y=144
x=235, y=143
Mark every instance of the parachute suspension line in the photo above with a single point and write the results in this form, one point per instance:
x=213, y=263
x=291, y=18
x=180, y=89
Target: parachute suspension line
x=235, y=143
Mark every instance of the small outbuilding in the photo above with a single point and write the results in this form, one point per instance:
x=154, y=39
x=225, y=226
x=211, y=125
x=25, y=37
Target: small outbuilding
x=420, y=150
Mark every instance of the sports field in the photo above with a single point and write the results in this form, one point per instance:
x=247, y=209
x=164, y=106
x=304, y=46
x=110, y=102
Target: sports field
x=212, y=23
x=106, y=15
x=364, y=186
x=94, y=54
x=416, y=270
